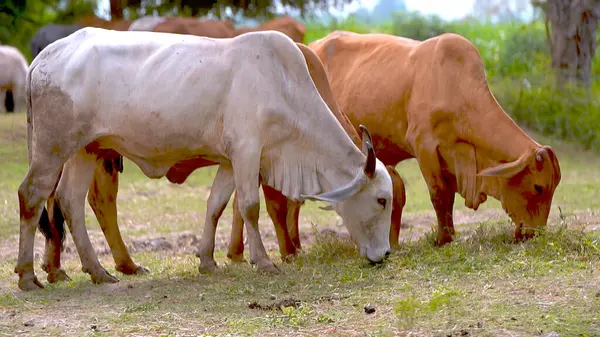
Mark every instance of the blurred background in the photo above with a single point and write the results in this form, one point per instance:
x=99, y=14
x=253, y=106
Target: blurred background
x=539, y=54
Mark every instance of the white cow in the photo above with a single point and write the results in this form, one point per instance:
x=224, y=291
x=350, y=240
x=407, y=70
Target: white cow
x=248, y=103
x=13, y=69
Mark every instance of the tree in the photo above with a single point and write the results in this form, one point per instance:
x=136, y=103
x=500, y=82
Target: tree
x=571, y=31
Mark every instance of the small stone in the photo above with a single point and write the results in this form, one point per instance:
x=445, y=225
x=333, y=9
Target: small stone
x=513, y=318
x=369, y=309
x=552, y=334
x=273, y=297
x=165, y=296
x=94, y=327
x=130, y=286
x=464, y=332
x=598, y=294
x=28, y=324
x=479, y=325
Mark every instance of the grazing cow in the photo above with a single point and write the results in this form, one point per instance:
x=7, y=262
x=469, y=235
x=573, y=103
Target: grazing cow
x=192, y=26
x=147, y=23
x=13, y=69
x=48, y=34
x=102, y=198
x=285, y=24
x=94, y=21
x=258, y=118
x=433, y=103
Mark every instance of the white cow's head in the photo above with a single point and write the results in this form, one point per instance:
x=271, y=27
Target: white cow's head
x=365, y=204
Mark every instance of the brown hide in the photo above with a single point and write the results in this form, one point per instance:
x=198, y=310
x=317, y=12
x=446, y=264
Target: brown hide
x=192, y=26
x=94, y=21
x=430, y=101
x=285, y=24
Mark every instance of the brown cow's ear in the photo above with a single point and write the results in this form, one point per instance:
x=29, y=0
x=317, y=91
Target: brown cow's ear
x=507, y=170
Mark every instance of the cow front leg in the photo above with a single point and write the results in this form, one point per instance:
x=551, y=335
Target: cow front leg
x=398, y=202
x=32, y=193
x=220, y=193
x=70, y=195
x=235, y=251
x=441, y=193
x=246, y=175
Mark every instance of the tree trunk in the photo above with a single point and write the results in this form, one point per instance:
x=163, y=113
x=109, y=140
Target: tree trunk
x=573, y=37
x=116, y=9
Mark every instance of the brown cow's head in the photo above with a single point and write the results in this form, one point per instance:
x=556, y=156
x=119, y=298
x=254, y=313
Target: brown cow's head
x=525, y=187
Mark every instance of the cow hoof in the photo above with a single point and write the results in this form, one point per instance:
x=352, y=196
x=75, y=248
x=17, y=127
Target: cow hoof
x=104, y=277
x=58, y=276
x=133, y=270
x=30, y=284
x=207, y=268
x=269, y=268
x=237, y=258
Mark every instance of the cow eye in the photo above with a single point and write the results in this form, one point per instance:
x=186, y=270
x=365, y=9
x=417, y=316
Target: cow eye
x=382, y=202
x=538, y=189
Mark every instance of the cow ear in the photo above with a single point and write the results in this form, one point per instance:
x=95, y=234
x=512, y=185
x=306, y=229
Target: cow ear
x=506, y=170
x=369, y=151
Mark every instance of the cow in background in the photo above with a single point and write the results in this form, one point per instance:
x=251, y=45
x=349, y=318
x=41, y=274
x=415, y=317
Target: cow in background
x=48, y=34
x=13, y=70
x=285, y=24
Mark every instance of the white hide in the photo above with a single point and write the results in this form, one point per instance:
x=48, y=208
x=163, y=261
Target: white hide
x=147, y=23
x=13, y=70
x=161, y=98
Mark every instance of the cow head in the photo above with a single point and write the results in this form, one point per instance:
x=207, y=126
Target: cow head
x=525, y=187
x=365, y=205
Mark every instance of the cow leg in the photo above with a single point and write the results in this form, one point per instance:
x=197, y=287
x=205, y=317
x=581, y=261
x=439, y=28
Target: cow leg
x=235, y=251
x=398, y=202
x=33, y=191
x=3, y=101
x=220, y=193
x=19, y=101
x=293, y=222
x=70, y=195
x=246, y=176
x=54, y=244
x=277, y=207
x=102, y=197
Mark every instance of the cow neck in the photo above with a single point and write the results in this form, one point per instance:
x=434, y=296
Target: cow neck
x=504, y=140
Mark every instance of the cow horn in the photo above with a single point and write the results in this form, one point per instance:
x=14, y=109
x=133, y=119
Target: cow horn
x=369, y=151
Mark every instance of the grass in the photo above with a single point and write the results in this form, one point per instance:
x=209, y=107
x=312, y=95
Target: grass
x=481, y=285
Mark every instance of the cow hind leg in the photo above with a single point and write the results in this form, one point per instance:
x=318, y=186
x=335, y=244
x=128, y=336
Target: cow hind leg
x=52, y=226
x=3, y=101
x=102, y=197
x=277, y=207
x=70, y=195
x=246, y=182
x=235, y=251
x=220, y=193
x=32, y=193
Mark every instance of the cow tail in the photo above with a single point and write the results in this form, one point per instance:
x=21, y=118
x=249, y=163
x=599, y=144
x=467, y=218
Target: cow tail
x=51, y=230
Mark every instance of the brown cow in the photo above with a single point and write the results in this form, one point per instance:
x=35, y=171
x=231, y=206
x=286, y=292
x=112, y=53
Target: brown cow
x=103, y=194
x=285, y=24
x=192, y=26
x=432, y=103
x=94, y=21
